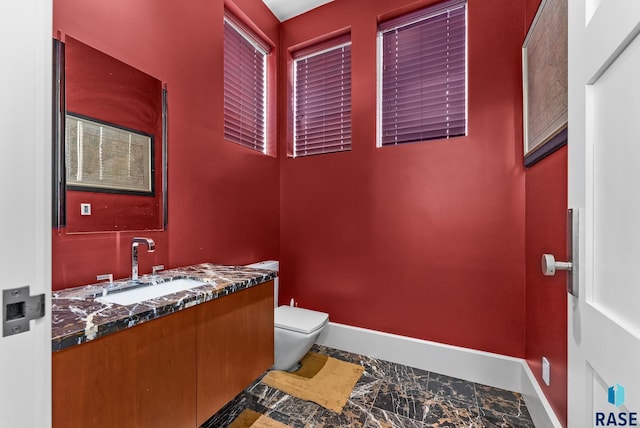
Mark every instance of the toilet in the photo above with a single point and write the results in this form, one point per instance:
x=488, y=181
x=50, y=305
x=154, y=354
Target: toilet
x=296, y=329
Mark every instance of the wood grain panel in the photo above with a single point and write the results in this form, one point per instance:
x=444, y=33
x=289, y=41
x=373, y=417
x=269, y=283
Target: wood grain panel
x=235, y=345
x=175, y=371
x=166, y=375
x=139, y=377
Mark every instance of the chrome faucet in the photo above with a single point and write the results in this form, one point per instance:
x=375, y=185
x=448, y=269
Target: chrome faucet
x=151, y=246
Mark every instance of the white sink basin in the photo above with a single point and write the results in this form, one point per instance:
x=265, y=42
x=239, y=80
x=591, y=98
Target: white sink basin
x=140, y=294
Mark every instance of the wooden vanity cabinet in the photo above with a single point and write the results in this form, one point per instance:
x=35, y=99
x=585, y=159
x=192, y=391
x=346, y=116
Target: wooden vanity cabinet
x=139, y=377
x=175, y=371
x=235, y=345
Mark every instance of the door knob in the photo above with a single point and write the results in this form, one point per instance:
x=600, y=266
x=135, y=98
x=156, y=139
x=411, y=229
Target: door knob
x=550, y=265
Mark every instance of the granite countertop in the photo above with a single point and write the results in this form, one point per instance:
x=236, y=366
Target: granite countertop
x=77, y=317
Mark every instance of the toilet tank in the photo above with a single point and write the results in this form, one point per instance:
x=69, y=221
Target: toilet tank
x=270, y=265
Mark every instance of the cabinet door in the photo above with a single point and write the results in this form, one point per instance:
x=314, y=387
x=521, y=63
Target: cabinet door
x=235, y=345
x=140, y=377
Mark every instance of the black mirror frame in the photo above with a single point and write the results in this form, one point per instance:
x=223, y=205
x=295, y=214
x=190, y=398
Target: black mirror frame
x=58, y=199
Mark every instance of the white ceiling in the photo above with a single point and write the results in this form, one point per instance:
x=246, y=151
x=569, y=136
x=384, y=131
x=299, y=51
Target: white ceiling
x=285, y=9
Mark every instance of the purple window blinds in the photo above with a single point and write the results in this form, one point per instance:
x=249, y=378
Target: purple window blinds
x=322, y=98
x=423, y=75
x=245, y=96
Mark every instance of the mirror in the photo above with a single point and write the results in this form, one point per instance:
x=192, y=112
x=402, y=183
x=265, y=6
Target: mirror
x=110, y=148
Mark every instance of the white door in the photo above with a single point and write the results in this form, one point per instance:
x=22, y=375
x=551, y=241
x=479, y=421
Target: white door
x=604, y=185
x=25, y=205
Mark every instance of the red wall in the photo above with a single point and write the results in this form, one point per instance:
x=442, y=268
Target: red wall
x=547, y=296
x=426, y=239
x=546, y=228
x=223, y=198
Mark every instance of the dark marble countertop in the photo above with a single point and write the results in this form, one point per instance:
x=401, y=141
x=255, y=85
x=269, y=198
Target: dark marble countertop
x=77, y=316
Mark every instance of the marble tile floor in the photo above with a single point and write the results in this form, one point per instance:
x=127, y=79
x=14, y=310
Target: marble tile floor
x=388, y=395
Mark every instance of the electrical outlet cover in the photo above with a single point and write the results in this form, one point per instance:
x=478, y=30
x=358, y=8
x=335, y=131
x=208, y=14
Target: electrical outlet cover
x=85, y=209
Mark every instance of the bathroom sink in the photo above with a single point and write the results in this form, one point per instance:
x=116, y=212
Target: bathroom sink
x=140, y=294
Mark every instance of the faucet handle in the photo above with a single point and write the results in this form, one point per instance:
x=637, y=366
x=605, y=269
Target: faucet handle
x=156, y=269
x=108, y=276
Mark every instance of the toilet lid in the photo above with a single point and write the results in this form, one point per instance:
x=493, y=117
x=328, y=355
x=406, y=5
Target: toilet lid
x=301, y=320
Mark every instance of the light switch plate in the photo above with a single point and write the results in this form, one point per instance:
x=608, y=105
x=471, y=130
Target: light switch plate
x=546, y=371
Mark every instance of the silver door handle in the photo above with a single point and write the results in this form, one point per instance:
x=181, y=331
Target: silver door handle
x=550, y=265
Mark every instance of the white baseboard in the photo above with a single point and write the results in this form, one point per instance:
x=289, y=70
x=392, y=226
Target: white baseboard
x=476, y=366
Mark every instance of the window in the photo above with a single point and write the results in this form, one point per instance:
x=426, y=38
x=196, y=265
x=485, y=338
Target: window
x=322, y=98
x=245, y=88
x=422, y=75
